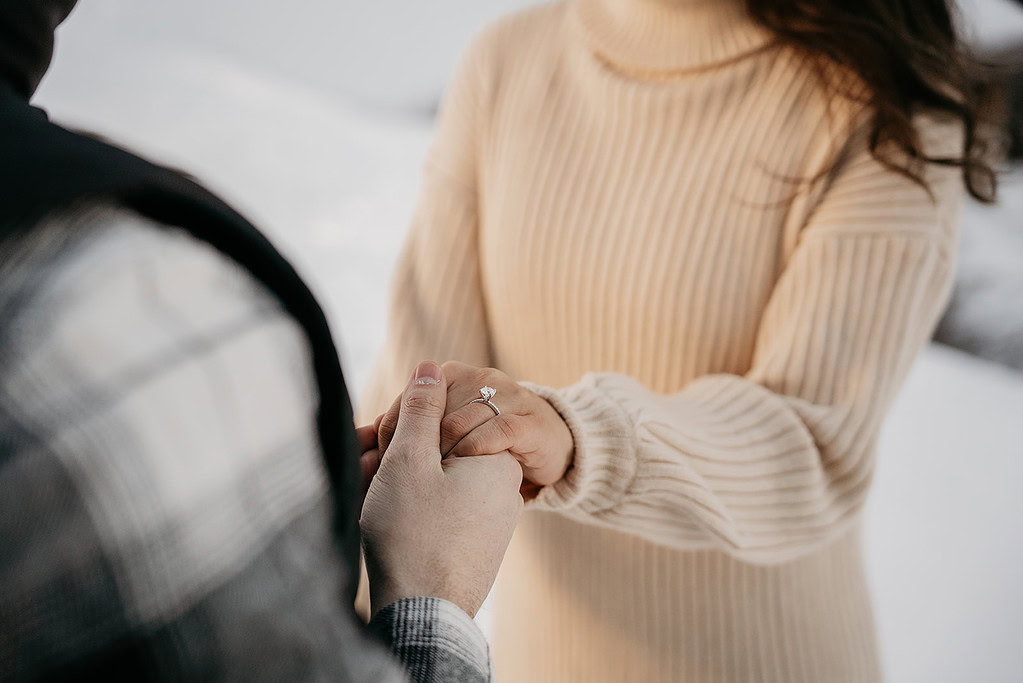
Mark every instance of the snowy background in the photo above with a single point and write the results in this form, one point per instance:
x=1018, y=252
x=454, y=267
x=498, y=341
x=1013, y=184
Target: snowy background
x=315, y=121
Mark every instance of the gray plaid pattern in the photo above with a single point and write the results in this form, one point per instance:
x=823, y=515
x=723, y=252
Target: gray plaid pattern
x=163, y=514
x=434, y=641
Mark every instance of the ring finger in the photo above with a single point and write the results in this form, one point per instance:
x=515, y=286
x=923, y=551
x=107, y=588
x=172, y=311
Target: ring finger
x=465, y=419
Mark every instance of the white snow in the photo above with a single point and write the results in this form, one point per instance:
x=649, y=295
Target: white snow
x=334, y=185
x=945, y=523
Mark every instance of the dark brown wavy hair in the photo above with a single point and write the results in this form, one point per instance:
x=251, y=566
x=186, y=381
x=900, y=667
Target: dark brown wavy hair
x=910, y=57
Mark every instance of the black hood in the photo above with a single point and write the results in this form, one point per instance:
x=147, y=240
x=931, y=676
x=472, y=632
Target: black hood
x=26, y=40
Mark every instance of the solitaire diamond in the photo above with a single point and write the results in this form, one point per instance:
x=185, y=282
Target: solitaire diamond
x=487, y=393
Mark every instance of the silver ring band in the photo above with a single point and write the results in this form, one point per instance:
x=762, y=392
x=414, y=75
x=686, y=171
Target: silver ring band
x=487, y=393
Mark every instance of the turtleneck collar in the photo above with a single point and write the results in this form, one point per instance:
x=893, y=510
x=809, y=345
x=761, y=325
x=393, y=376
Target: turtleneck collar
x=667, y=35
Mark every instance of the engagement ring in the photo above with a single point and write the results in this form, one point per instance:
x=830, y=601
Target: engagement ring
x=487, y=393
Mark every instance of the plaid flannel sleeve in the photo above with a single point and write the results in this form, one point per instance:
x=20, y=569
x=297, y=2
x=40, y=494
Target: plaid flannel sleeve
x=435, y=640
x=164, y=512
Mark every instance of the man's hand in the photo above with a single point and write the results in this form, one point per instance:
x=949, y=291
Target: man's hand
x=528, y=426
x=433, y=528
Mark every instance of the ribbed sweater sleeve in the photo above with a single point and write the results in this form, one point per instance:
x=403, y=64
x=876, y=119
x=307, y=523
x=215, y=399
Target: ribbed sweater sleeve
x=436, y=308
x=773, y=464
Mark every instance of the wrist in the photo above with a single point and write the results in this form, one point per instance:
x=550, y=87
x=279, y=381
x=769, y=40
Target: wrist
x=388, y=592
x=563, y=438
x=386, y=595
x=604, y=460
x=569, y=441
x=385, y=587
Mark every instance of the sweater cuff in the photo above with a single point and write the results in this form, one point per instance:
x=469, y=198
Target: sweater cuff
x=435, y=640
x=604, y=463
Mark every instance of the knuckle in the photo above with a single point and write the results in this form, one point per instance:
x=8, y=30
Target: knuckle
x=386, y=430
x=471, y=445
x=460, y=423
x=454, y=427
x=387, y=423
x=404, y=468
x=474, y=445
x=454, y=369
x=448, y=433
x=422, y=404
x=508, y=427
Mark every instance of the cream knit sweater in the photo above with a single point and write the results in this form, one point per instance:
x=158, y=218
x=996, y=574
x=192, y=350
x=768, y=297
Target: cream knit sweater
x=609, y=210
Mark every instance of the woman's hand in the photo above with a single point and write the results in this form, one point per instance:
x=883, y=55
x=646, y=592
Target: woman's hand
x=528, y=426
x=369, y=457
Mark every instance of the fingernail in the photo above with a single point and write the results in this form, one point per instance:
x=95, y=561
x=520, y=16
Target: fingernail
x=428, y=372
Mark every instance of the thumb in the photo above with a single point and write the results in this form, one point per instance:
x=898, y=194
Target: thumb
x=421, y=412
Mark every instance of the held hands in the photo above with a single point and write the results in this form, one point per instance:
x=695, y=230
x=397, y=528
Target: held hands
x=528, y=427
x=431, y=527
